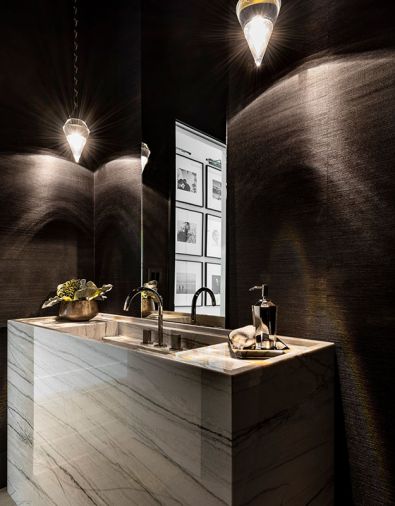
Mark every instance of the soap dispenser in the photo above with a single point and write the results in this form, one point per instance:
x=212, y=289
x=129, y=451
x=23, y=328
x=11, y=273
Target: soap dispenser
x=264, y=318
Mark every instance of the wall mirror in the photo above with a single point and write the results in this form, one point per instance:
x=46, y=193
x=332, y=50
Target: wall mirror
x=184, y=231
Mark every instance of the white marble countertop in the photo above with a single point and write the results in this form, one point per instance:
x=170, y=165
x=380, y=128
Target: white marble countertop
x=122, y=331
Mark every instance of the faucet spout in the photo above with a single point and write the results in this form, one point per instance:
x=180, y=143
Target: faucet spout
x=159, y=301
x=195, y=299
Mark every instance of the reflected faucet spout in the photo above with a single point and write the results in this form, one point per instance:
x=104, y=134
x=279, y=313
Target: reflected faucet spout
x=159, y=301
x=195, y=298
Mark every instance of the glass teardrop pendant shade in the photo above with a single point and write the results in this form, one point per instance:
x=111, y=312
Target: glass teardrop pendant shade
x=257, y=19
x=77, y=133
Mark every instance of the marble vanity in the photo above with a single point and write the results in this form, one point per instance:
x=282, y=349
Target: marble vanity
x=94, y=418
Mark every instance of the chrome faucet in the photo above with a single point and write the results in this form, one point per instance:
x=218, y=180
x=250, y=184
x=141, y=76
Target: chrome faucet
x=195, y=298
x=159, y=301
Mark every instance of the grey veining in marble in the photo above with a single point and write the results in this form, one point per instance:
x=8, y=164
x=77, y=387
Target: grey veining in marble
x=93, y=423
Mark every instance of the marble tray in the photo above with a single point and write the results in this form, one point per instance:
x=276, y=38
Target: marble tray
x=282, y=349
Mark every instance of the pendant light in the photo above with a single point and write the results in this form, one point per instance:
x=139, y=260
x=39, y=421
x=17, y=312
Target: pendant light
x=257, y=19
x=76, y=130
x=145, y=154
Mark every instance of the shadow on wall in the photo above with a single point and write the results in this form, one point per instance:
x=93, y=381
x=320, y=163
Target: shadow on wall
x=46, y=223
x=318, y=226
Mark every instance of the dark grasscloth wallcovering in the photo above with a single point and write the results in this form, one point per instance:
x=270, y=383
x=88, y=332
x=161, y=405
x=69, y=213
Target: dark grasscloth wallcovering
x=118, y=168
x=312, y=198
x=117, y=228
x=46, y=229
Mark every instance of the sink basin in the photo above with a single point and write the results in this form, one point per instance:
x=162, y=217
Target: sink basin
x=128, y=332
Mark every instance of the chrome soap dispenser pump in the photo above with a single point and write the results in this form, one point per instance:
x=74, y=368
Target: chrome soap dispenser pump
x=264, y=318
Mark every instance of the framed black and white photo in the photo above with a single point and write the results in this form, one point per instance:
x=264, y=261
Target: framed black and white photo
x=188, y=279
x=213, y=188
x=213, y=236
x=213, y=281
x=189, y=232
x=189, y=181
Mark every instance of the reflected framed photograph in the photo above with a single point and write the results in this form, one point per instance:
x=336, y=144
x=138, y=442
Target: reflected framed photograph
x=188, y=279
x=213, y=188
x=213, y=236
x=189, y=181
x=213, y=281
x=189, y=232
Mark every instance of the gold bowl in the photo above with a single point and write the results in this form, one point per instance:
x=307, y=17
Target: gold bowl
x=78, y=310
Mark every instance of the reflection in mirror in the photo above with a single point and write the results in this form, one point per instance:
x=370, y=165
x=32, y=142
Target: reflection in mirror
x=184, y=231
x=200, y=214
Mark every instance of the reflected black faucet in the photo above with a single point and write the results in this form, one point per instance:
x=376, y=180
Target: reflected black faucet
x=159, y=301
x=195, y=298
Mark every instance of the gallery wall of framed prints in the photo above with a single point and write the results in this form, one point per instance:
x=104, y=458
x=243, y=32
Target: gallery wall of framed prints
x=199, y=220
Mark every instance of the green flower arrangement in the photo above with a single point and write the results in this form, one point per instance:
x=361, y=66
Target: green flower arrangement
x=77, y=289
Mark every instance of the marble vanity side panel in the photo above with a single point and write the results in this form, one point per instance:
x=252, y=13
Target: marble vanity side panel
x=283, y=433
x=114, y=426
x=20, y=414
x=3, y=406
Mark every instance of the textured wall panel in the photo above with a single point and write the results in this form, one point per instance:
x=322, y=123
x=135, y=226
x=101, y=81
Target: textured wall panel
x=360, y=268
x=46, y=229
x=312, y=210
x=118, y=174
x=118, y=228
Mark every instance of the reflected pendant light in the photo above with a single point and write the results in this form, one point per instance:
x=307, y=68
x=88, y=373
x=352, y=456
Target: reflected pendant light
x=76, y=130
x=145, y=154
x=257, y=19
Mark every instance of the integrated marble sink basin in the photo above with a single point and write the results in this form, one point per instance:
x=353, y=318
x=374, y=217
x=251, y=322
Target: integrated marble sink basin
x=128, y=331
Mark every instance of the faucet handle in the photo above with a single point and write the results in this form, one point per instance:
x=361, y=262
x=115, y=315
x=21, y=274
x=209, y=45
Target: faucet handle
x=175, y=341
x=146, y=336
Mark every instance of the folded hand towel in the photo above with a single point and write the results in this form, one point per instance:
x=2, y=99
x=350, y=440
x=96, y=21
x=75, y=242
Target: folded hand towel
x=243, y=338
